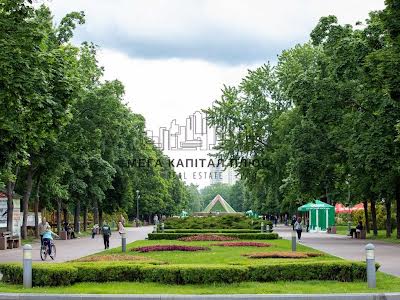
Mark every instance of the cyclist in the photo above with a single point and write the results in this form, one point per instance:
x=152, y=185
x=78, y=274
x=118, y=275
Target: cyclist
x=47, y=238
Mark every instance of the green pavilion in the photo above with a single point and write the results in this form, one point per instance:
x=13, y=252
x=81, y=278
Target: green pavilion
x=320, y=215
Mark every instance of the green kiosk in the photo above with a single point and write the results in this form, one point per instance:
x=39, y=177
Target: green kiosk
x=320, y=215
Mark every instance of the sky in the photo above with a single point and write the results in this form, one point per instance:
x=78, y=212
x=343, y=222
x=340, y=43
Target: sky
x=174, y=56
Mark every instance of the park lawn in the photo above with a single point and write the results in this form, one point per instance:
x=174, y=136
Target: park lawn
x=219, y=255
x=385, y=283
x=343, y=230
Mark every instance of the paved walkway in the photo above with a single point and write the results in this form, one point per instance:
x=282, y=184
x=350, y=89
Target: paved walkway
x=388, y=255
x=76, y=248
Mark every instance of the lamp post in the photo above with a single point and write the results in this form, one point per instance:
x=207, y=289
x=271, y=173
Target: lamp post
x=27, y=266
x=371, y=271
x=137, y=205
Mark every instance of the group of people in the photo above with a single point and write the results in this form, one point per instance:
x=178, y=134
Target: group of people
x=106, y=231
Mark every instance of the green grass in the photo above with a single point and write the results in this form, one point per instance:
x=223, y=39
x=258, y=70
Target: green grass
x=342, y=229
x=217, y=255
x=385, y=283
x=29, y=240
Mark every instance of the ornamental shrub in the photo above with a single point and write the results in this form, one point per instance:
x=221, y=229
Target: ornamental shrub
x=219, y=230
x=207, y=237
x=212, y=222
x=153, y=248
x=67, y=273
x=240, y=236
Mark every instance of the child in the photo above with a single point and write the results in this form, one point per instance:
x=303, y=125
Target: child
x=47, y=238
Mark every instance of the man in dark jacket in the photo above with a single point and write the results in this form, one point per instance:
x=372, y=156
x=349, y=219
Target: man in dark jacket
x=106, y=230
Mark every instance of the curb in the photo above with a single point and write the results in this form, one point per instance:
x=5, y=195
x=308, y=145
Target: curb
x=373, y=296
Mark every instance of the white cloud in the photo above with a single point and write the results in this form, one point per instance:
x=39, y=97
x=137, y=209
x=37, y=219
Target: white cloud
x=163, y=90
x=207, y=29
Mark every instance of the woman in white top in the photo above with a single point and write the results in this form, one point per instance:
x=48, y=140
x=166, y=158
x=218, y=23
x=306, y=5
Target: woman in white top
x=299, y=228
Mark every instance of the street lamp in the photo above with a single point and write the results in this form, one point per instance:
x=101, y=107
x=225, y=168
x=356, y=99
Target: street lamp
x=137, y=204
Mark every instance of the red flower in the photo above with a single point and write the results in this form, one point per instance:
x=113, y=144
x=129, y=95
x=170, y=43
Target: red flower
x=169, y=248
x=242, y=244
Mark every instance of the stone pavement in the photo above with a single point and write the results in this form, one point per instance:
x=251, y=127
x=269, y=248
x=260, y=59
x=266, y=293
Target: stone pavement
x=388, y=255
x=76, y=248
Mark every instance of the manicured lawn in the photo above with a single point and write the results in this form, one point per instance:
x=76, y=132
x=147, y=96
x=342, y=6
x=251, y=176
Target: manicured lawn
x=342, y=229
x=217, y=254
x=385, y=283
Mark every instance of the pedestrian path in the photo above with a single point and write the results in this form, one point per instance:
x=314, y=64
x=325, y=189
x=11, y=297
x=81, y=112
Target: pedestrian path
x=76, y=248
x=386, y=254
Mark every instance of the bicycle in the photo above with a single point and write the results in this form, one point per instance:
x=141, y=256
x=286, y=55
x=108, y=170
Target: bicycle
x=44, y=251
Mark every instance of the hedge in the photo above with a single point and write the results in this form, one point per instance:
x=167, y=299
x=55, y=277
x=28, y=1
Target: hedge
x=211, y=231
x=66, y=274
x=240, y=236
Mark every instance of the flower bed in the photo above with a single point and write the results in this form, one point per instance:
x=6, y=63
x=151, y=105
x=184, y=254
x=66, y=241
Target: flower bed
x=240, y=236
x=282, y=255
x=207, y=237
x=242, y=244
x=117, y=257
x=169, y=248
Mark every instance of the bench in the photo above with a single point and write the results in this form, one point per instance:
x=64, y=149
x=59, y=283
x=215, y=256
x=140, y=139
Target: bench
x=361, y=235
x=8, y=241
x=331, y=230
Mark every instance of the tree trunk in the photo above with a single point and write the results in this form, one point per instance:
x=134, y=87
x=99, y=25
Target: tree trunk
x=77, y=228
x=37, y=203
x=96, y=213
x=85, y=219
x=25, y=202
x=10, y=205
x=100, y=217
x=398, y=208
x=373, y=214
x=388, y=204
x=366, y=216
x=10, y=201
x=65, y=212
x=58, y=216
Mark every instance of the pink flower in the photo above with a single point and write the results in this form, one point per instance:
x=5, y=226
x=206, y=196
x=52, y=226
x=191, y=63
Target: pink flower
x=169, y=248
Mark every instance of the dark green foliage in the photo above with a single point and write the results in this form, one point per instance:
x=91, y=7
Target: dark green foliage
x=65, y=274
x=211, y=231
x=214, y=222
x=241, y=236
x=340, y=271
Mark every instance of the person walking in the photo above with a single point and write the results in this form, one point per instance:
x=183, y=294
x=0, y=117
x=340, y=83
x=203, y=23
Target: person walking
x=94, y=230
x=121, y=228
x=299, y=228
x=106, y=230
x=42, y=228
x=293, y=221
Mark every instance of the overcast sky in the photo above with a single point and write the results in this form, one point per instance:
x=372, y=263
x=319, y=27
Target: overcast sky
x=173, y=56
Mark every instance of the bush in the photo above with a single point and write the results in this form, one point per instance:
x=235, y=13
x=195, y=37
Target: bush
x=338, y=271
x=207, y=237
x=153, y=248
x=240, y=236
x=65, y=274
x=211, y=230
x=42, y=274
x=213, y=222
